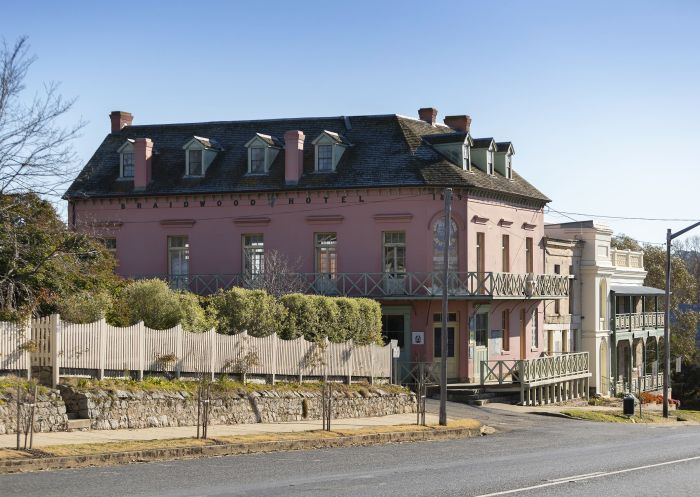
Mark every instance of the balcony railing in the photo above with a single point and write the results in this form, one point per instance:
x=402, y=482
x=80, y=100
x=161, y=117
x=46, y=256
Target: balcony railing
x=649, y=383
x=385, y=285
x=639, y=321
x=627, y=258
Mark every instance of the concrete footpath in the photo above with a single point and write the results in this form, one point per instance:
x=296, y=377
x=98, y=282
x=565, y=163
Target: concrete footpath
x=101, y=436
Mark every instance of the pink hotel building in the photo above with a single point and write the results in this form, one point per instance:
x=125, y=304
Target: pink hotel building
x=357, y=200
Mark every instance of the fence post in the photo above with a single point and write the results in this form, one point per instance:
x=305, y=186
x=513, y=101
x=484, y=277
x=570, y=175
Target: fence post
x=55, y=330
x=102, y=352
x=27, y=355
x=142, y=347
x=212, y=352
x=371, y=363
x=275, y=341
x=349, y=370
x=178, y=351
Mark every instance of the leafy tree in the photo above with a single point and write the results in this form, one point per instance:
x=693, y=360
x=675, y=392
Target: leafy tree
x=625, y=242
x=42, y=261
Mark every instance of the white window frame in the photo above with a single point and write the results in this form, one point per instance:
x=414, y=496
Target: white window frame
x=393, y=246
x=270, y=153
x=251, y=152
x=126, y=148
x=326, y=251
x=535, y=330
x=337, y=151
x=253, y=255
x=490, y=165
x=179, y=280
x=509, y=166
x=466, y=157
x=201, y=162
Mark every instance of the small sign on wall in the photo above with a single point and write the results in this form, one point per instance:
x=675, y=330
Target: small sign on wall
x=496, y=341
x=418, y=337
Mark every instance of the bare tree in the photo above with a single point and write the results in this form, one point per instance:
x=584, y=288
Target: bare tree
x=280, y=276
x=35, y=151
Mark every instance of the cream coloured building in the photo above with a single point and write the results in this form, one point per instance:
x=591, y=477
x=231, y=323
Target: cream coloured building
x=612, y=315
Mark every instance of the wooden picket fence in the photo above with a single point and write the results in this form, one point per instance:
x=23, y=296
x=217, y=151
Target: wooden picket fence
x=99, y=349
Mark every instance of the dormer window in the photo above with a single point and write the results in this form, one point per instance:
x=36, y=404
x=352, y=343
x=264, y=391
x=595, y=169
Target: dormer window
x=262, y=151
x=325, y=157
x=330, y=147
x=199, y=154
x=504, y=159
x=489, y=162
x=257, y=160
x=466, y=157
x=195, y=163
x=484, y=155
x=126, y=160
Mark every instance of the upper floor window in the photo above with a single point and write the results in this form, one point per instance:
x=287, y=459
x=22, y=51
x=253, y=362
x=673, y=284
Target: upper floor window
x=178, y=261
x=253, y=255
x=326, y=259
x=505, y=320
x=194, y=163
x=262, y=151
x=394, y=252
x=439, y=246
x=529, y=255
x=329, y=147
x=126, y=159
x=199, y=154
x=505, y=253
x=509, y=167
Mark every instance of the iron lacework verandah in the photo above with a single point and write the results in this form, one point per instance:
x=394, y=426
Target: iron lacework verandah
x=460, y=285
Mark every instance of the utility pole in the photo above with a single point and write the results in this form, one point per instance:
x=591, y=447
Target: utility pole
x=667, y=331
x=443, y=333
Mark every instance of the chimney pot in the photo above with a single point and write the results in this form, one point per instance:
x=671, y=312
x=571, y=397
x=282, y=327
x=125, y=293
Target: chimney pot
x=119, y=119
x=428, y=114
x=459, y=123
x=143, y=152
x=293, y=156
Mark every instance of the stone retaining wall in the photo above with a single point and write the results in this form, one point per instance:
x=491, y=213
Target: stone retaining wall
x=49, y=413
x=141, y=409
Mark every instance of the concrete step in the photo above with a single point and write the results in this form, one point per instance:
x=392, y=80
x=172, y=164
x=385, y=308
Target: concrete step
x=78, y=424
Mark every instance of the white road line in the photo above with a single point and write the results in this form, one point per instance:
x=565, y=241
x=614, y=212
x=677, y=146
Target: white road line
x=589, y=476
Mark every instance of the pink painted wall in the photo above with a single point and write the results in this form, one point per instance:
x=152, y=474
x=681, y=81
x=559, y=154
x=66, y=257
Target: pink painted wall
x=215, y=232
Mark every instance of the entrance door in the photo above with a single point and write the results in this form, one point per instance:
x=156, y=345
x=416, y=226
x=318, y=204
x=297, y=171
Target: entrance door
x=452, y=343
x=481, y=340
x=396, y=326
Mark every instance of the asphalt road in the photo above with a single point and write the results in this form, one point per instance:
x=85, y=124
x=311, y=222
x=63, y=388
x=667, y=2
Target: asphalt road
x=530, y=455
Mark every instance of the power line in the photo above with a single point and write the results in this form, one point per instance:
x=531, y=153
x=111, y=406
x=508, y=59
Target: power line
x=624, y=218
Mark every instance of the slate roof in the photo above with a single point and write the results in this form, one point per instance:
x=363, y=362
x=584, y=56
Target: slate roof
x=482, y=142
x=386, y=151
x=503, y=146
x=455, y=137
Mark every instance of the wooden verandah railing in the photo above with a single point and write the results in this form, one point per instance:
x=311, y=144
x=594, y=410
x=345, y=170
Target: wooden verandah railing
x=542, y=380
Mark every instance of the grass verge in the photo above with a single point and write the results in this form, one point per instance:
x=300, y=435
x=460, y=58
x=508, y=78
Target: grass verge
x=136, y=445
x=617, y=417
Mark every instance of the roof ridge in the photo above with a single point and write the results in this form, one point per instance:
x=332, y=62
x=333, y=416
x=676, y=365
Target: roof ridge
x=260, y=120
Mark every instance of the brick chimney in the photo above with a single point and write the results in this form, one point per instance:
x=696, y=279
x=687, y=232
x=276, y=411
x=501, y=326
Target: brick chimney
x=293, y=156
x=428, y=114
x=143, y=151
x=120, y=119
x=459, y=123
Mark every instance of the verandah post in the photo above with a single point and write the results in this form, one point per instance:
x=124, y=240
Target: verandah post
x=55, y=330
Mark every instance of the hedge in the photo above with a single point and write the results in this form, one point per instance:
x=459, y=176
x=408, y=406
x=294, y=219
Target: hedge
x=238, y=309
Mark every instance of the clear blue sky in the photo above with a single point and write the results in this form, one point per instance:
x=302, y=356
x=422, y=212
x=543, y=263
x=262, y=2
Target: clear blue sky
x=601, y=99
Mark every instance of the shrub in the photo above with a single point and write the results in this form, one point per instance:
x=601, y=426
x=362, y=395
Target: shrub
x=238, y=309
x=84, y=307
x=158, y=306
x=301, y=319
x=369, y=329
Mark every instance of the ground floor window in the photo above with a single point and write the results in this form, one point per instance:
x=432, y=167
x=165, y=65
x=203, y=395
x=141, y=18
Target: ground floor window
x=253, y=255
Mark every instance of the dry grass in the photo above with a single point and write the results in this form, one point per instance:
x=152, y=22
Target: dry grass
x=13, y=454
x=135, y=445
x=617, y=417
x=123, y=446
x=687, y=415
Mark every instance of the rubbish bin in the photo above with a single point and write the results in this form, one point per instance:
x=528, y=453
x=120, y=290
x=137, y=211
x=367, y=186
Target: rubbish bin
x=628, y=405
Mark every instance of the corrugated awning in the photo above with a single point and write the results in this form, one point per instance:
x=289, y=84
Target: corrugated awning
x=636, y=290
